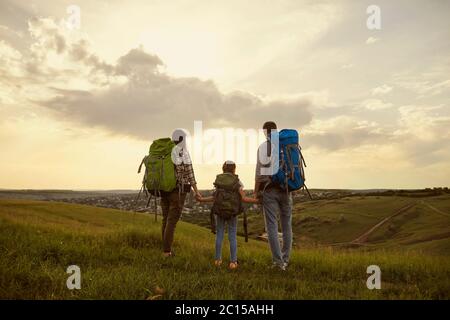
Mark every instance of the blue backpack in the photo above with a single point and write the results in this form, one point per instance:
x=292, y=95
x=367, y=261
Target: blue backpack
x=290, y=175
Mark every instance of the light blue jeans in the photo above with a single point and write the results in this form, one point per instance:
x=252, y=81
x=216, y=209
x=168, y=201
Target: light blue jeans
x=220, y=232
x=276, y=201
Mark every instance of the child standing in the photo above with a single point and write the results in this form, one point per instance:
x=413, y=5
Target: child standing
x=227, y=198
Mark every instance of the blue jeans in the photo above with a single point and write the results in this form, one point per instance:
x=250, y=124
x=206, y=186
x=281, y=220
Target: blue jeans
x=232, y=231
x=276, y=201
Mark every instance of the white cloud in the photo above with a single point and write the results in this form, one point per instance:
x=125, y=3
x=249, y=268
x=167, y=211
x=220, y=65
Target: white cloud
x=376, y=104
x=133, y=96
x=423, y=135
x=428, y=82
x=372, y=40
x=381, y=90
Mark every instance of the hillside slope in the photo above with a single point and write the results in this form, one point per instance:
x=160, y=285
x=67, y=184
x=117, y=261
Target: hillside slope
x=119, y=256
x=371, y=223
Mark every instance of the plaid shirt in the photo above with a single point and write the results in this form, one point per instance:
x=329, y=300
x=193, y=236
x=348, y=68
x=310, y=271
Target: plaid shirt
x=184, y=170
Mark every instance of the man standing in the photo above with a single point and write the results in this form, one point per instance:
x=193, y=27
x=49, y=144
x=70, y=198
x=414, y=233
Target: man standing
x=172, y=202
x=275, y=200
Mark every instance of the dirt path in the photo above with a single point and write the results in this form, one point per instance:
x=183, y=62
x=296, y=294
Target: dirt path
x=445, y=214
x=363, y=238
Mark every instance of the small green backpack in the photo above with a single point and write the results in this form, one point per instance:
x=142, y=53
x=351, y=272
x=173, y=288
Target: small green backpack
x=160, y=170
x=227, y=199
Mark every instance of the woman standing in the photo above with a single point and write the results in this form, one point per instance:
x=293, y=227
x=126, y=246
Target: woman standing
x=172, y=202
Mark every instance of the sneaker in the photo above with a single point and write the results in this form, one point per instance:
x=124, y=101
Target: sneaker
x=218, y=263
x=233, y=265
x=281, y=267
x=168, y=254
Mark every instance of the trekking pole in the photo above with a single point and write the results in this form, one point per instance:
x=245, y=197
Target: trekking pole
x=156, y=209
x=306, y=188
x=213, y=222
x=137, y=199
x=148, y=201
x=143, y=183
x=245, y=226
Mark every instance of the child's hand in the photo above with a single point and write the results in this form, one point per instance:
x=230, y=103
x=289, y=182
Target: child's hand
x=250, y=200
x=198, y=196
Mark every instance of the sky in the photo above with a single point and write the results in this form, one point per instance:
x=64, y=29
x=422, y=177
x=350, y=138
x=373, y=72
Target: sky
x=82, y=99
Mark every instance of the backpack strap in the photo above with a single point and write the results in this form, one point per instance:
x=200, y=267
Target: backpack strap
x=301, y=164
x=144, y=160
x=289, y=158
x=236, y=185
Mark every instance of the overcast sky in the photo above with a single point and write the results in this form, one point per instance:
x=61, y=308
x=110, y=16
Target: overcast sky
x=79, y=107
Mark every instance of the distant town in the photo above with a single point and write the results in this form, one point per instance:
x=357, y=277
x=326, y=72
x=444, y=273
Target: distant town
x=193, y=211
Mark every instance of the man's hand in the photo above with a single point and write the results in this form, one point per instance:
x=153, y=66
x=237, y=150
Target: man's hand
x=257, y=195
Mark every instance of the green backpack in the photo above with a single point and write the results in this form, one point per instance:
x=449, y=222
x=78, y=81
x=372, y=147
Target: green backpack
x=159, y=167
x=227, y=199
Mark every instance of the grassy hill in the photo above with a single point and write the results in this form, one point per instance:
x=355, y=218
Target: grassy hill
x=119, y=256
x=369, y=223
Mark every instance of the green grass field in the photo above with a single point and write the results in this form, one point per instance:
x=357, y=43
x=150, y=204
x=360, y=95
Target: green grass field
x=422, y=223
x=119, y=256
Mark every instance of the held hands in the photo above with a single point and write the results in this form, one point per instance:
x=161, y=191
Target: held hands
x=198, y=196
x=253, y=199
x=258, y=196
x=201, y=198
x=258, y=200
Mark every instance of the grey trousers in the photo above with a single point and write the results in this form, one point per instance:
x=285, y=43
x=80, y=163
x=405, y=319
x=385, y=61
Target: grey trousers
x=277, y=202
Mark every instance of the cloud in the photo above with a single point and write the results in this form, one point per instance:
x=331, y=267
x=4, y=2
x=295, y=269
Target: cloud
x=344, y=132
x=133, y=96
x=381, y=90
x=137, y=61
x=372, y=40
x=423, y=135
x=376, y=104
x=420, y=137
x=425, y=82
x=9, y=35
x=427, y=87
x=157, y=103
